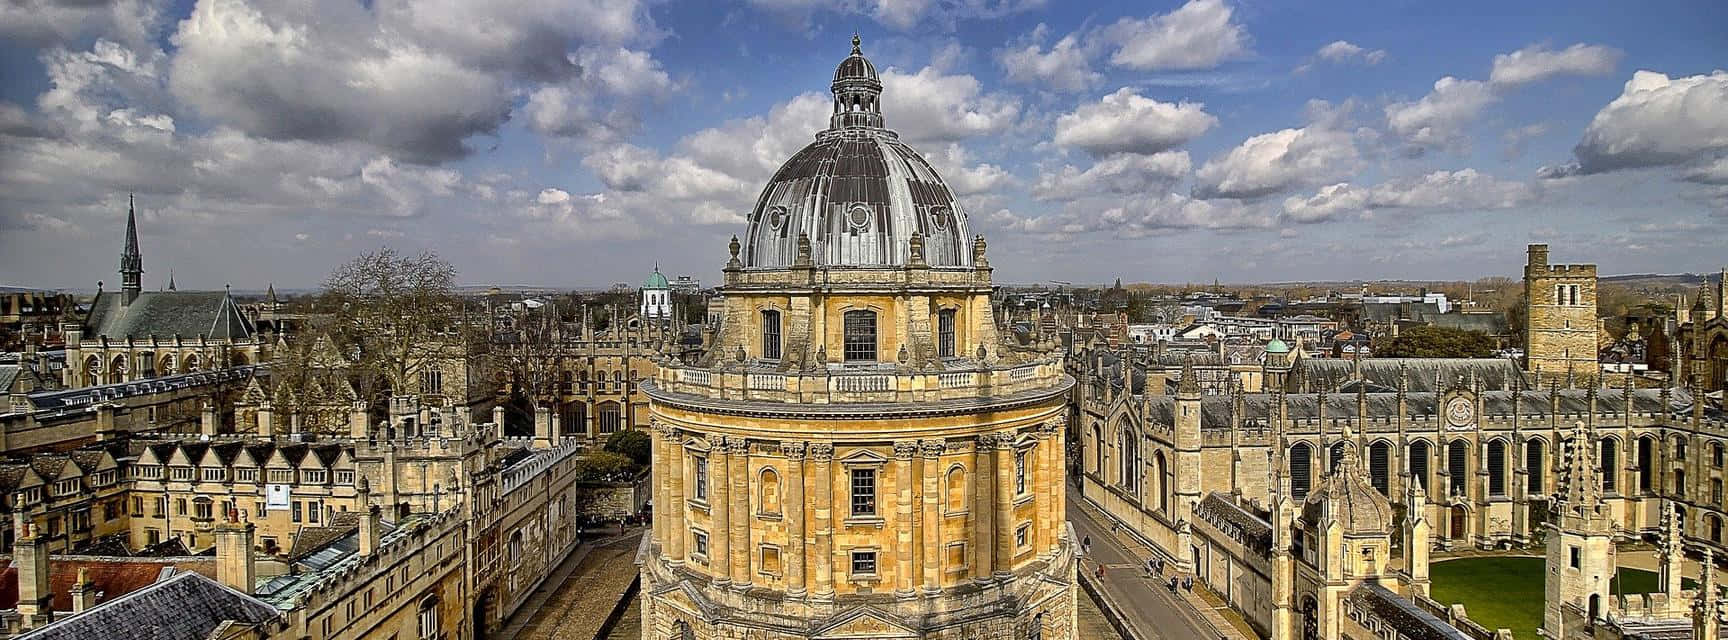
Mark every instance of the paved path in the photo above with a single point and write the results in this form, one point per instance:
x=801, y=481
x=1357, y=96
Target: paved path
x=1151, y=610
x=576, y=599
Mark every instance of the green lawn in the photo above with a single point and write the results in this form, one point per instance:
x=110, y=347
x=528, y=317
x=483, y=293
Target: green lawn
x=1507, y=592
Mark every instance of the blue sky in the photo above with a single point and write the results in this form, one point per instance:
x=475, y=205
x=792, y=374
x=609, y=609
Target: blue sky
x=582, y=143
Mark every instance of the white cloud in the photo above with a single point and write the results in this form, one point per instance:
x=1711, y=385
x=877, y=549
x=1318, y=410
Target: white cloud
x=1126, y=121
x=1656, y=121
x=898, y=14
x=1439, y=191
x=1441, y=119
x=1536, y=63
x=1342, y=51
x=1065, y=66
x=931, y=106
x=1198, y=35
x=57, y=22
x=1272, y=162
x=955, y=164
x=1709, y=172
x=1123, y=173
x=603, y=103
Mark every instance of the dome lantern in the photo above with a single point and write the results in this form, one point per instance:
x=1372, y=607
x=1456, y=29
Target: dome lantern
x=857, y=91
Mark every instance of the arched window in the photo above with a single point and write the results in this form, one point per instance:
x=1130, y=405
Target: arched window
x=1610, y=463
x=117, y=370
x=1419, y=463
x=1646, y=463
x=1037, y=630
x=611, y=419
x=191, y=363
x=93, y=370
x=945, y=333
x=1159, y=483
x=1379, y=465
x=770, y=334
x=166, y=367
x=1457, y=465
x=768, y=498
x=956, y=486
x=1533, y=471
x=860, y=336
x=1679, y=447
x=1334, y=456
x=682, y=631
x=1129, y=461
x=1715, y=529
x=1497, y=468
x=1301, y=470
x=1097, y=450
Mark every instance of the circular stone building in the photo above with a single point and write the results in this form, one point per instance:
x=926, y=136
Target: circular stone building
x=858, y=454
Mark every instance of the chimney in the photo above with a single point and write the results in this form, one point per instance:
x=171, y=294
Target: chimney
x=234, y=561
x=207, y=419
x=84, y=592
x=498, y=420
x=370, y=527
x=542, y=427
x=30, y=557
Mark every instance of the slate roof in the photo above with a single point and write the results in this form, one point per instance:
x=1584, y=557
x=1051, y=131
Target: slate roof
x=8, y=375
x=166, y=314
x=1254, y=528
x=1420, y=374
x=1216, y=411
x=1410, y=620
x=187, y=606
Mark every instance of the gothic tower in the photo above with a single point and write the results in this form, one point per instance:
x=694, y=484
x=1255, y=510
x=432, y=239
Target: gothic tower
x=131, y=261
x=1559, y=318
x=1581, y=554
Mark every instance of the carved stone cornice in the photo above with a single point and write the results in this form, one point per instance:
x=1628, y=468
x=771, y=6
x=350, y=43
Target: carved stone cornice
x=905, y=449
x=717, y=442
x=792, y=450
x=1054, y=425
x=822, y=452
x=737, y=446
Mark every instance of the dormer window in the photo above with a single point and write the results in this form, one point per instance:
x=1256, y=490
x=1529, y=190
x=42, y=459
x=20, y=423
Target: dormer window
x=860, y=332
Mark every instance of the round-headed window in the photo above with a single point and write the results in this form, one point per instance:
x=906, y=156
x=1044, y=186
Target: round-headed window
x=858, y=217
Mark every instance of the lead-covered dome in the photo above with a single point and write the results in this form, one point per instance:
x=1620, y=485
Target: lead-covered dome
x=858, y=192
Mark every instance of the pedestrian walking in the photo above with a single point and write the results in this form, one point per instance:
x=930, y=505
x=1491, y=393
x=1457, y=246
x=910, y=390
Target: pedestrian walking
x=1086, y=544
x=1099, y=574
x=1188, y=583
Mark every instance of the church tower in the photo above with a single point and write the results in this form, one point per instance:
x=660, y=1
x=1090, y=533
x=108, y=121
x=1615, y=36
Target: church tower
x=131, y=261
x=1581, y=554
x=1559, y=318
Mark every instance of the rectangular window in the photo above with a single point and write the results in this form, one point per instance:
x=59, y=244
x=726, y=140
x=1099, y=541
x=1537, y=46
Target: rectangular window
x=1575, y=555
x=701, y=478
x=344, y=477
x=860, y=329
x=863, y=492
x=213, y=474
x=180, y=506
x=945, y=333
x=246, y=475
x=1716, y=490
x=312, y=510
x=863, y=563
x=1023, y=536
x=771, y=334
x=296, y=511
x=699, y=542
x=770, y=564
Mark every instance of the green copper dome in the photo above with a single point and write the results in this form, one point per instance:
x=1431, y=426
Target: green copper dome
x=656, y=281
x=1277, y=346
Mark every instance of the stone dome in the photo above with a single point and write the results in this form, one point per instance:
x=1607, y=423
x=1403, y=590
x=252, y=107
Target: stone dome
x=857, y=192
x=1347, y=496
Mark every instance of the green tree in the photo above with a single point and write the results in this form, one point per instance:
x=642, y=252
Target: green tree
x=603, y=465
x=630, y=442
x=1435, y=342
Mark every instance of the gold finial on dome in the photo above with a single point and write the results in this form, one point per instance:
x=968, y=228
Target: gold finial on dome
x=856, y=41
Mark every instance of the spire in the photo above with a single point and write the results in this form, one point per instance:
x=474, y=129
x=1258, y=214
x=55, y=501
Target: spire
x=131, y=261
x=269, y=290
x=171, y=280
x=1580, y=481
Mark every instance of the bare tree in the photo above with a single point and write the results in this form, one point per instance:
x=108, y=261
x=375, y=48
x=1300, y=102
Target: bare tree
x=529, y=351
x=394, y=315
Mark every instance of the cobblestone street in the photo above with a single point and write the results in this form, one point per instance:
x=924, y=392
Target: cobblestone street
x=578, y=608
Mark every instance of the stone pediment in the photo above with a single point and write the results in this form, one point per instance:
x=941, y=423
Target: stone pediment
x=864, y=457
x=864, y=622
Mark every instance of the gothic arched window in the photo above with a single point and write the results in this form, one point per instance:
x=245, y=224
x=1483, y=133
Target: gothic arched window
x=1301, y=470
x=1533, y=465
x=1497, y=468
x=1419, y=463
x=1457, y=465
x=1646, y=466
x=1609, y=462
x=1130, y=461
x=1379, y=463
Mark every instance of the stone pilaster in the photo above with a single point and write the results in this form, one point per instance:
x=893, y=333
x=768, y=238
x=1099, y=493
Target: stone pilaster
x=822, y=457
x=719, y=516
x=738, y=469
x=673, y=511
x=903, y=549
x=1004, y=515
x=794, y=510
x=931, y=534
x=979, y=506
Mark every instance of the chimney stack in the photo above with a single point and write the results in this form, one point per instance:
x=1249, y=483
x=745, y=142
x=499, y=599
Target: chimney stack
x=30, y=557
x=84, y=593
x=234, y=557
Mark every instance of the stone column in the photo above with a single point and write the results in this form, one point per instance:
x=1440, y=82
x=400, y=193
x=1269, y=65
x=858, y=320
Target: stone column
x=1004, y=514
x=935, y=552
x=903, y=550
x=743, y=553
x=673, y=512
x=719, y=504
x=793, y=508
x=821, y=454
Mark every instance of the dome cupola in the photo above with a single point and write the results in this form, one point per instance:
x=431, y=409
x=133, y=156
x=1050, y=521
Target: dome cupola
x=858, y=193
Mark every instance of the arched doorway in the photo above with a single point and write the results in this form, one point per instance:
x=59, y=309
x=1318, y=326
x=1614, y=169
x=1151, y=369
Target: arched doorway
x=1310, y=618
x=1460, y=523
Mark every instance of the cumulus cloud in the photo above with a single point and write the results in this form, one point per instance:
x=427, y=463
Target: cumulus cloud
x=1439, y=191
x=1536, y=63
x=898, y=14
x=602, y=104
x=1655, y=121
x=1126, y=121
x=1342, y=51
x=1709, y=172
x=47, y=23
x=1442, y=118
x=1198, y=35
x=415, y=80
x=932, y=106
x=1065, y=66
x=1122, y=173
x=1272, y=162
x=964, y=176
